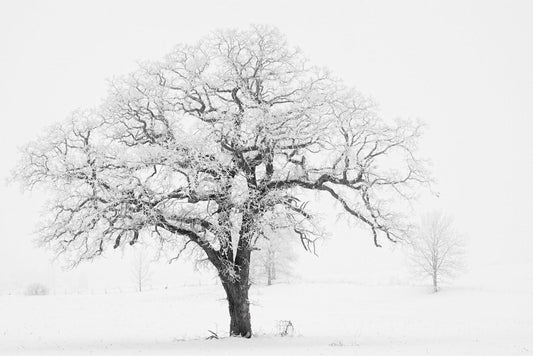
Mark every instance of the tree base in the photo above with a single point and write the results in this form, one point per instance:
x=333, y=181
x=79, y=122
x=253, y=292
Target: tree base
x=239, y=309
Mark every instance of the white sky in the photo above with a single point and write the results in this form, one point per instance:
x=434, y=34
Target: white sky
x=464, y=68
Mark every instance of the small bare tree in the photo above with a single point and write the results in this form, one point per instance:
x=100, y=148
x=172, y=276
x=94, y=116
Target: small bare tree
x=141, y=272
x=273, y=259
x=437, y=250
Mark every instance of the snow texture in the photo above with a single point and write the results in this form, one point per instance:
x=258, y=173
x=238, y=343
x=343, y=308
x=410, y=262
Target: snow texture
x=328, y=319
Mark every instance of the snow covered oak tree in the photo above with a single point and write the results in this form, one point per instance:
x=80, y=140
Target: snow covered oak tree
x=213, y=147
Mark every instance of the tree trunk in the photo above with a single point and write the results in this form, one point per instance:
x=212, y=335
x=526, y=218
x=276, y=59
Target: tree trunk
x=435, y=286
x=269, y=275
x=237, y=285
x=239, y=308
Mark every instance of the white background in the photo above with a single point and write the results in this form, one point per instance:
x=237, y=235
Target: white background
x=464, y=68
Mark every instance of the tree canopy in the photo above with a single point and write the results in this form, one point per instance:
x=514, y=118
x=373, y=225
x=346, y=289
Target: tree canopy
x=214, y=146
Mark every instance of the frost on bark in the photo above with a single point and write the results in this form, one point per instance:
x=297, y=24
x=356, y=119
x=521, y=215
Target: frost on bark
x=214, y=147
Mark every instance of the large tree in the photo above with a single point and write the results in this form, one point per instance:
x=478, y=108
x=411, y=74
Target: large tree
x=214, y=147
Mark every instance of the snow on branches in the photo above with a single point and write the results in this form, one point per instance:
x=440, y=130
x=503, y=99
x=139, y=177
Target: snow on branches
x=213, y=146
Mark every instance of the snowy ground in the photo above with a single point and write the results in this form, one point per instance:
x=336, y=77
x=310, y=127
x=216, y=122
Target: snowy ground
x=329, y=319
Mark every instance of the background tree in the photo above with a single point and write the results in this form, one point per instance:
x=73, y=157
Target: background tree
x=437, y=250
x=140, y=268
x=36, y=289
x=273, y=259
x=213, y=147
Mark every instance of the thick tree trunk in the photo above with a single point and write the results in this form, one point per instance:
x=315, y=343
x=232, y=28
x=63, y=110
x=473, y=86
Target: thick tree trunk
x=435, y=286
x=237, y=284
x=239, y=308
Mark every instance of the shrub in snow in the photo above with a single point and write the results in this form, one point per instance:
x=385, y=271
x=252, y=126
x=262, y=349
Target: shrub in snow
x=36, y=289
x=285, y=328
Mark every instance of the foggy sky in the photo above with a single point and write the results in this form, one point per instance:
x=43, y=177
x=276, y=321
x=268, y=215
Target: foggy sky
x=463, y=68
